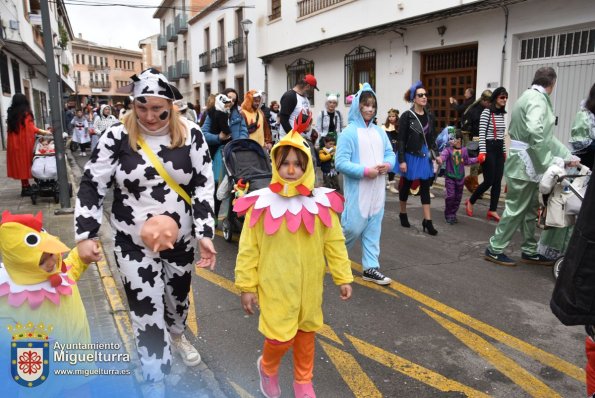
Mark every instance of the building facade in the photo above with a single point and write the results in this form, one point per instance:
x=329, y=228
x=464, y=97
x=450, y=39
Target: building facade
x=151, y=54
x=219, y=49
x=174, y=41
x=449, y=45
x=100, y=71
x=23, y=68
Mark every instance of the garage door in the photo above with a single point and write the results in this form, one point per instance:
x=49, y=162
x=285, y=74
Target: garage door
x=572, y=55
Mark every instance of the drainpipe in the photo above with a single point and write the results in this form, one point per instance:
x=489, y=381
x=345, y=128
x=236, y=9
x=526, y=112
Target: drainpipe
x=266, y=77
x=504, y=45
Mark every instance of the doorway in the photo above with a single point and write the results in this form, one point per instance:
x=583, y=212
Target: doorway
x=447, y=73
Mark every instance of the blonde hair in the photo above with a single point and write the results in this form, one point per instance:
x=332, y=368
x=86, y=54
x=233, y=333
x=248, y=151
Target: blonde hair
x=178, y=129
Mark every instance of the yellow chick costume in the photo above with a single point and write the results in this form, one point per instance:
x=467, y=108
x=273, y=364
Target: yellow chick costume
x=28, y=294
x=289, y=230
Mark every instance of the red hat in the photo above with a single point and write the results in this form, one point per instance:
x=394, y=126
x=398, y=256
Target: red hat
x=311, y=80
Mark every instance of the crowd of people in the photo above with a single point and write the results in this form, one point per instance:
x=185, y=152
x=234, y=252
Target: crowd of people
x=162, y=158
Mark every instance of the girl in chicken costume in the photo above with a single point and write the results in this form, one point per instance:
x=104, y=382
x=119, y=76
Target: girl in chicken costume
x=38, y=287
x=289, y=230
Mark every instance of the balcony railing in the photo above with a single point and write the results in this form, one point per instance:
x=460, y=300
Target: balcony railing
x=183, y=68
x=218, y=57
x=307, y=7
x=204, y=62
x=162, y=42
x=181, y=23
x=172, y=73
x=235, y=49
x=94, y=84
x=172, y=35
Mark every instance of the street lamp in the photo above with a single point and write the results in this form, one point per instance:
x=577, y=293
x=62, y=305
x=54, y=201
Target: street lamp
x=58, y=51
x=246, y=25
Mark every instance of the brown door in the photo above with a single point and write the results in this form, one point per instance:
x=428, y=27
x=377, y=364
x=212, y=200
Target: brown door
x=447, y=73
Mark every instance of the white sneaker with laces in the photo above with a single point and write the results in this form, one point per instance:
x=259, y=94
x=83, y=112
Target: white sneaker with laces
x=187, y=352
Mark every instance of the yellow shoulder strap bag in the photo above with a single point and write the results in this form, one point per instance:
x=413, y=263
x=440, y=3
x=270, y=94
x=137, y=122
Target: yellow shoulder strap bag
x=161, y=170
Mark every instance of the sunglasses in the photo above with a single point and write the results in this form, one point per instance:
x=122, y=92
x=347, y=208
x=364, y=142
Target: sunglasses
x=503, y=97
x=421, y=95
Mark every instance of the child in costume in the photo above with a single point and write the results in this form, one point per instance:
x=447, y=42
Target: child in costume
x=456, y=158
x=326, y=155
x=38, y=287
x=364, y=157
x=391, y=127
x=291, y=231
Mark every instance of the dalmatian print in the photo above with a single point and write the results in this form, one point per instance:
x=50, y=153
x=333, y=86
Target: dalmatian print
x=156, y=284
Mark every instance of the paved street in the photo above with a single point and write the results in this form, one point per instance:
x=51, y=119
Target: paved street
x=451, y=324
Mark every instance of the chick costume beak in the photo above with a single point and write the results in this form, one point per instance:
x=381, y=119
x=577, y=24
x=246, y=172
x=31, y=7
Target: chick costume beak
x=305, y=184
x=22, y=243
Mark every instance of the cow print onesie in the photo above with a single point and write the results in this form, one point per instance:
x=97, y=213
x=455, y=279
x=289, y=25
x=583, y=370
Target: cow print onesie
x=156, y=284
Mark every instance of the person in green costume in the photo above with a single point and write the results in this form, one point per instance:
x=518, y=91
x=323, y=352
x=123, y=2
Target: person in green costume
x=532, y=149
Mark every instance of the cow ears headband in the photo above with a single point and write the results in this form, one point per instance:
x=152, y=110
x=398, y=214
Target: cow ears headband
x=152, y=83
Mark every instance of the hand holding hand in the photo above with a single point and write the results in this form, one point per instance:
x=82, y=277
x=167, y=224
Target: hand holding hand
x=439, y=161
x=89, y=251
x=346, y=291
x=481, y=158
x=403, y=167
x=208, y=255
x=248, y=300
x=371, y=172
x=382, y=168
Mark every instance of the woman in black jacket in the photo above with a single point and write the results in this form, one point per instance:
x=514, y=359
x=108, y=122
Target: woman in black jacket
x=416, y=138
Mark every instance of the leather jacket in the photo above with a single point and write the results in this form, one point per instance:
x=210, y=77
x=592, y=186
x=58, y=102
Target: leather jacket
x=411, y=136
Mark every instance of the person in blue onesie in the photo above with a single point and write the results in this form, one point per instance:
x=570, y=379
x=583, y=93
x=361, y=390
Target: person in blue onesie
x=364, y=156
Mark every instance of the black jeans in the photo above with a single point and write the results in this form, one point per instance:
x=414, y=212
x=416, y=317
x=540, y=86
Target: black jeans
x=493, y=169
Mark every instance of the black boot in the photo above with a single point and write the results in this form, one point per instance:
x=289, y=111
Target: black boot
x=404, y=220
x=427, y=224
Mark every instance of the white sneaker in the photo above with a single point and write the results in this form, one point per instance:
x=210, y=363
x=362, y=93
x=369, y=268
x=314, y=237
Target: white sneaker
x=187, y=352
x=83, y=154
x=432, y=196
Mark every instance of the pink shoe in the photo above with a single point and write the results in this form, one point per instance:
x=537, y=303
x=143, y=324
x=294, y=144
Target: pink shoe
x=269, y=385
x=303, y=390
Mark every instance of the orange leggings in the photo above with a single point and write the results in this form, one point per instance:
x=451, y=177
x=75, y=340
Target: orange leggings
x=303, y=356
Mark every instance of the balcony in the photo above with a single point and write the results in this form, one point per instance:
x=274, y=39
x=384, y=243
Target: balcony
x=218, y=57
x=235, y=49
x=98, y=68
x=172, y=73
x=171, y=33
x=307, y=7
x=204, y=62
x=162, y=43
x=183, y=68
x=102, y=84
x=181, y=23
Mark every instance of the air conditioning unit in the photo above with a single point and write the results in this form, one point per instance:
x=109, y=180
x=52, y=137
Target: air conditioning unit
x=31, y=71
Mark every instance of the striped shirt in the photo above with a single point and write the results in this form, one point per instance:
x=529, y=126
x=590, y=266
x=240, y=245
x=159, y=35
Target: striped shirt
x=486, y=128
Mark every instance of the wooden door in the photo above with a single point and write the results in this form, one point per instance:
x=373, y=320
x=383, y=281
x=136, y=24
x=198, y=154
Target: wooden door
x=447, y=73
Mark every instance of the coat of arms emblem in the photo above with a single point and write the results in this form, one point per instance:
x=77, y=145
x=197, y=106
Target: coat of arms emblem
x=30, y=353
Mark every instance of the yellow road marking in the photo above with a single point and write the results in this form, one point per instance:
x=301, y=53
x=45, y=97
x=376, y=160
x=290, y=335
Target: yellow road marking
x=412, y=370
x=192, y=317
x=521, y=377
x=329, y=333
x=240, y=391
x=353, y=375
x=217, y=280
x=511, y=341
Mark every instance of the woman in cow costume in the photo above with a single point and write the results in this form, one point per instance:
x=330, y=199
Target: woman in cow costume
x=136, y=158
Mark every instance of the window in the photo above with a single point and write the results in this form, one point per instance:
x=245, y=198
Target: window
x=207, y=39
x=239, y=17
x=4, y=76
x=76, y=58
x=275, y=10
x=16, y=76
x=82, y=59
x=360, y=67
x=78, y=77
x=296, y=72
x=562, y=44
x=207, y=91
x=221, y=24
x=221, y=85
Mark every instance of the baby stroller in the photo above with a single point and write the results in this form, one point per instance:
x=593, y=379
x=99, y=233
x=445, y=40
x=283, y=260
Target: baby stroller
x=244, y=160
x=562, y=196
x=43, y=169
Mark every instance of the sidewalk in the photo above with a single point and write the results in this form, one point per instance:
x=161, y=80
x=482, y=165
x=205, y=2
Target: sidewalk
x=101, y=291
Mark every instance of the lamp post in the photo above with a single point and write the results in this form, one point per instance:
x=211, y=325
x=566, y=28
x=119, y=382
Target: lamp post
x=246, y=24
x=59, y=51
